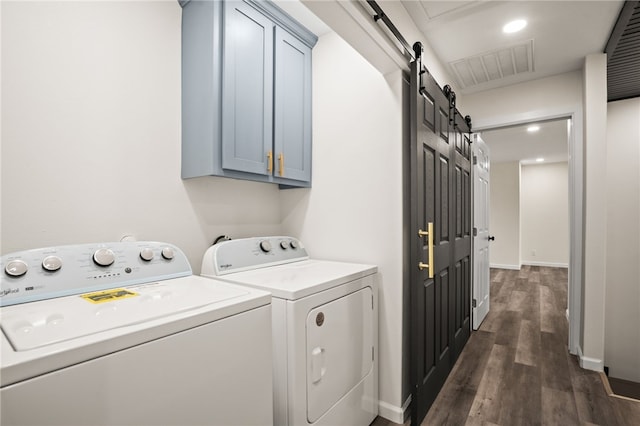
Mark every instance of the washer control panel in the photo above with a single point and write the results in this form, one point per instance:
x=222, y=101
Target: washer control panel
x=45, y=273
x=251, y=253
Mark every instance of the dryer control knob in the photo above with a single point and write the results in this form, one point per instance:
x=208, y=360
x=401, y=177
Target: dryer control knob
x=16, y=268
x=294, y=244
x=167, y=253
x=51, y=263
x=284, y=245
x=104, y=257
x=265, y=246
x=146, y=254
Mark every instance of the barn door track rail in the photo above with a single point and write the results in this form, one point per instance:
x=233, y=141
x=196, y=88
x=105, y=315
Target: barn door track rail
x=415, y=53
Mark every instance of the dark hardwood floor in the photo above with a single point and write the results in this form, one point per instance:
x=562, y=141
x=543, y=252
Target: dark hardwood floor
x=516, y=369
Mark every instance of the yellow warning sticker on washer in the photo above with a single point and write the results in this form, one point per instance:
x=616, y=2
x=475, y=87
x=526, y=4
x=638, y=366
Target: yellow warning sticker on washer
x=108, y=295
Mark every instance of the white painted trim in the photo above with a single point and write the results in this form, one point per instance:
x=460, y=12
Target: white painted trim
x=567, y=314
x=393, y=413
x=499, y=266
x=593, y=364
x=576, y=231
x=576, y=208
x=549, y=264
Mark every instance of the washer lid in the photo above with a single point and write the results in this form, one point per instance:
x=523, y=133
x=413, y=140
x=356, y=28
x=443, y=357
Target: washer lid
x=295, y=280
x=38, y=324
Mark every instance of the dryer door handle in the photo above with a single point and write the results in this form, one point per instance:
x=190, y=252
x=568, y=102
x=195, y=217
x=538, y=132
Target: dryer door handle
x=318, y=368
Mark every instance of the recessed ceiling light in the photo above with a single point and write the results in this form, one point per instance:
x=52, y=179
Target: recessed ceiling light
x=514, y=26
x=533, y=128
x=539, y=160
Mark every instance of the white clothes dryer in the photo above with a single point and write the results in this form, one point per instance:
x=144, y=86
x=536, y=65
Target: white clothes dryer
x=325, y=328
x=124, y=334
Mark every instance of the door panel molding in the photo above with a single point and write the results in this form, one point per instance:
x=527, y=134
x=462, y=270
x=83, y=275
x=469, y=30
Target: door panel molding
x=439, y=177
x=481, y=249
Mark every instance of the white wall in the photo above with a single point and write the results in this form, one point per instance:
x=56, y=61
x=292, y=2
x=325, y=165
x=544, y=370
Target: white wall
x=622, y=334
x=505, y=215
x=354, y=210
x=352, y=21
x=91, y=152
x=529, y=213
x=91, y=133
x=544, y=214
x=550, y=97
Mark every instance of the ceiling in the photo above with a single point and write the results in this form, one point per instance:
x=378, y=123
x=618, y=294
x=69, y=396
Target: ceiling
x=467, y=37
x=517, y=144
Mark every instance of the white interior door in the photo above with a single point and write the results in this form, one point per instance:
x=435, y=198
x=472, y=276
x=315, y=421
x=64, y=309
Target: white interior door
x=480, y=305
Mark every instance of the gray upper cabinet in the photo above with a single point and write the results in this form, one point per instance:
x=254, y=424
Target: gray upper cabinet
x=292, y=107
x=247, y=90
x=246, y=93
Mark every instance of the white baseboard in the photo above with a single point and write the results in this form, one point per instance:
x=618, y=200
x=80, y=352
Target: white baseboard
x=588, y=363
x=498, y=266
x=549, y=264
x=394, y=413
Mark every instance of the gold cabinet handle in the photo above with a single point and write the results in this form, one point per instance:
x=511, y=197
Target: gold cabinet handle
x=281, y=161
x=429, y=234
x=270, y=161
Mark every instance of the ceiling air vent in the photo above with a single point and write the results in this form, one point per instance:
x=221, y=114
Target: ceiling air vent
x=494, y=65
x=623, y=54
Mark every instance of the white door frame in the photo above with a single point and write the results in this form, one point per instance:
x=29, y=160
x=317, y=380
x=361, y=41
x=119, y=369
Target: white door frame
x=576, y=210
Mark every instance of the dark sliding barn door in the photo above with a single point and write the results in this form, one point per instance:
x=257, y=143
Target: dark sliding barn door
x=440, y=182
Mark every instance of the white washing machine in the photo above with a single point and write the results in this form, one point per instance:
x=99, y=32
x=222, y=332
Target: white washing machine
x=325, y=328
x=124, y=334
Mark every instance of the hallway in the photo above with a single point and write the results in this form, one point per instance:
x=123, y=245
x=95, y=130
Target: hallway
x=516, y=369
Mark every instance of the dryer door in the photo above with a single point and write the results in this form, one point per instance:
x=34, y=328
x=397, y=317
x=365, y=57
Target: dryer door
x=339, y=349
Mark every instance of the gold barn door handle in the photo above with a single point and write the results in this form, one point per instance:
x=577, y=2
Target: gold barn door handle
x=269, y=161
x=429, y=234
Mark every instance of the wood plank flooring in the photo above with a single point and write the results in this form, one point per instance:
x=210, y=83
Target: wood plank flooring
x=516, y=369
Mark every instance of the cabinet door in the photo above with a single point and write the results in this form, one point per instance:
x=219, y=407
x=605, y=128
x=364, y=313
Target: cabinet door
x=292, y=121
x=247, y=91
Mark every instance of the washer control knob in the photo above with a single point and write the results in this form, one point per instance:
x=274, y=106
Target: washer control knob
x=104, y=257
x=167, y=253
x=265, y=246
x=16, y=268
x=146, y=254
x=284, y=245
x=294, y=244
x=51, y=263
